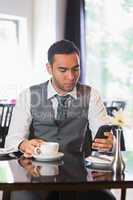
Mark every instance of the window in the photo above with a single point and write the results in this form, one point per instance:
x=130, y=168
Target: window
x=14, y=60
x=109, y=40
x=8, y=47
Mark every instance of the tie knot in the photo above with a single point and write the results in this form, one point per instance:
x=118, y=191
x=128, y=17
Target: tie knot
x=63, y=99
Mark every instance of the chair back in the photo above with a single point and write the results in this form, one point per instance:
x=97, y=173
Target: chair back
x=114, y=106
x=111, y=109
x=5, y=119
x=118, y=104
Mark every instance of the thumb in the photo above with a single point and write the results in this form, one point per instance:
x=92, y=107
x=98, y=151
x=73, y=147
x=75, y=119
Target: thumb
x=26, y=155
x=107, y=134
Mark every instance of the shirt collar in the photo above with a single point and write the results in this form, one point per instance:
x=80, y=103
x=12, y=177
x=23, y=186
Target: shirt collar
x=52, y=92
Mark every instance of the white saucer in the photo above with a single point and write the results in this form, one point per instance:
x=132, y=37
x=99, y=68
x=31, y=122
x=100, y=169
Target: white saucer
x=57, y=156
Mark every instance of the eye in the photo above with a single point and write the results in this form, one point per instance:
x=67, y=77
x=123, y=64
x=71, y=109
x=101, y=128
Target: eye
x=76, y=69
x=62, y=69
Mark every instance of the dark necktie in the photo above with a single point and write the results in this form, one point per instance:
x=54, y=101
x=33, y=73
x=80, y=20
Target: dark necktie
x=62, y=107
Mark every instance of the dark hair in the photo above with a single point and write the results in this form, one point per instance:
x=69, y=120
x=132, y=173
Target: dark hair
x=61, y=47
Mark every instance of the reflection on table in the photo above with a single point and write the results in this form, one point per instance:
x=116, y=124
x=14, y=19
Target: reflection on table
x=70, y=173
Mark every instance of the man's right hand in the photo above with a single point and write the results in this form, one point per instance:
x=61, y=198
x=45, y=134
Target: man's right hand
x=28, y=146
x=27, y=164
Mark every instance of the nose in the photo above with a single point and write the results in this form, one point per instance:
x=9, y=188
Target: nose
x=70, y=75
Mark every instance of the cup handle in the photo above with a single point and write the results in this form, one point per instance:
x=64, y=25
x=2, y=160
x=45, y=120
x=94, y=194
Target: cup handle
x=37, y=151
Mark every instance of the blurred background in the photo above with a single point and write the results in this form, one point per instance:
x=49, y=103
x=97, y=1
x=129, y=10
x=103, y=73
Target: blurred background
x=102, y=29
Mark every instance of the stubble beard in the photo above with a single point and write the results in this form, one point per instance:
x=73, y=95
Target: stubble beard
x=60, y=88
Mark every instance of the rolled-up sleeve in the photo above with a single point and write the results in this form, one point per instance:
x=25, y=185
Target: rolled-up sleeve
x=97, y=114
x=20, y=122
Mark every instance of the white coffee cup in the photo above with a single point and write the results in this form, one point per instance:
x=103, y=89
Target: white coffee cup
x=46, y=169
x=47, y=149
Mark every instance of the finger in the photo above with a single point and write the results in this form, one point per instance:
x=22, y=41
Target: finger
x=30, y=147
x=102, y=141
x=100, y=177
x=27, y=155
x=108, y=134
x=36, y=171
x=36, y=142
x=96, y=174
x=102, y=146
x=26, y=147
x=28, y=150
x=108, y=140
x=39, y=140
x=32, y=144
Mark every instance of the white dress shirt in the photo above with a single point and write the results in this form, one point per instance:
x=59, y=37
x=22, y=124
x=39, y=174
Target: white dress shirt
x=21, y=118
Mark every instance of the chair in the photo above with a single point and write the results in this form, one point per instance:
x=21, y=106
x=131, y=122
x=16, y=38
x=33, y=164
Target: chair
x=111, y=109
x=114, y=106
x=118, y=104
x=5, y=119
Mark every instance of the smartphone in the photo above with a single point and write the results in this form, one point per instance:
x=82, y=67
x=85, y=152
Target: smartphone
x=102, y=130
x=100, y=133
x=108, y=128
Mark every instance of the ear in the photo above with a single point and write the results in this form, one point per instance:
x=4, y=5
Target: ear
x=49, y=68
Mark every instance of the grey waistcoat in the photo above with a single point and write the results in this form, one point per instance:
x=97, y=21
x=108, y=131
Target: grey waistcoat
x=71, y=133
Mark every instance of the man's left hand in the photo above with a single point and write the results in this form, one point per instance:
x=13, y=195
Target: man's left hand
x=104, y=144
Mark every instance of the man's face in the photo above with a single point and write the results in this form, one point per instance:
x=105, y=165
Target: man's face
x=65, y=72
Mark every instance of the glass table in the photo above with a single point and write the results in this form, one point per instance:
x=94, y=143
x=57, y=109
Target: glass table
x=67, y=174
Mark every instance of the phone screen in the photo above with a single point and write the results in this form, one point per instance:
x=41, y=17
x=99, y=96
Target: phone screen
x=102, y=130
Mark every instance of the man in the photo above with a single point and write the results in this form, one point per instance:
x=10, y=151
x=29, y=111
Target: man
x=64, y=68
x=41, y=105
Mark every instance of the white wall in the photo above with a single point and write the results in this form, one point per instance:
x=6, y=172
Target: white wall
x=19, y=71
x=44, y=34
x=48, y=27
x=45, y=25
x=20, y=8
x=60, y=18
x=16, y=7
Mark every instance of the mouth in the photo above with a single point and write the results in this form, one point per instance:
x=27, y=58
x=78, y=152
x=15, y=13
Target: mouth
x=70, y=84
